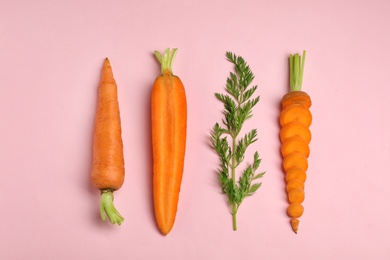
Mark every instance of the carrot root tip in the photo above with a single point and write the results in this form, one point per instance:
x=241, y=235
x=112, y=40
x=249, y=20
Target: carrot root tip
x=107, y=208
x=294, y=225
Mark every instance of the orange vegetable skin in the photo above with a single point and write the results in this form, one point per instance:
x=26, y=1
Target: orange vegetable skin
x=295, y=160
x=295, y=144
x=295, y=129
x=294, y=183
x=295, y=112
x=296, y=195
x=295, y=173
x=295, y=211
x=108, y=162
x=295, y=136
x=296, y=97
x=169, y=124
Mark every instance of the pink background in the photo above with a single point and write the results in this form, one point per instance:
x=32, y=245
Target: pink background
x=51, y=56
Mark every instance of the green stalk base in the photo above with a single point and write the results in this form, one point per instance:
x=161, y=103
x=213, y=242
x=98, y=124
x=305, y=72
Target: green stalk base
x=234, y=221
x=107, y=208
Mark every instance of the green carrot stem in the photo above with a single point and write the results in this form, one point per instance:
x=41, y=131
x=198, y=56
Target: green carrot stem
x=107, y=207
x=234, y=166
x=166, y=59
x=297, y=65
x=234, y=216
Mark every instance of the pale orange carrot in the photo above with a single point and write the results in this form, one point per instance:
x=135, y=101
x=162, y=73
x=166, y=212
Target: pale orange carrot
x=108, y=162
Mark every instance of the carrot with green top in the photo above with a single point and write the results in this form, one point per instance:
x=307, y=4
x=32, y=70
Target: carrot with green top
x=169, y=126
x=295, y=136
x=108, y=170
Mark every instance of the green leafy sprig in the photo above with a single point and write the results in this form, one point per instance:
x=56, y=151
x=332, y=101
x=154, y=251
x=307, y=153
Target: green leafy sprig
x=238, y=106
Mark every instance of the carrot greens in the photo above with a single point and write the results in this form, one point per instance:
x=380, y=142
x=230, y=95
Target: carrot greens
x=238, y=107
x=297, y=65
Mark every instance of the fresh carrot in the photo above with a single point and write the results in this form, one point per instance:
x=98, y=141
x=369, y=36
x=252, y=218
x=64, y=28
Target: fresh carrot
x=169, y=123
x=295, y=210
x=295, y=112
x=295, y=183
x=293, y=129
x=295, y=160
x=296, y=97
x=295, y=136
x=295, y=144
x=296, y=195
x=295, y=173
x=108, y=163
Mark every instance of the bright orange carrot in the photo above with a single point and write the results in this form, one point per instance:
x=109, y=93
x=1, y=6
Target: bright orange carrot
x=108, y=163
x=295, y=112
x=296, y=195
x=295, y=144
x=169, y=123
x=295, y=173
x=295, y=136
x=293, y=184
x=295, y=160
x=296, y=97
x=293, y=129
x=295, y=210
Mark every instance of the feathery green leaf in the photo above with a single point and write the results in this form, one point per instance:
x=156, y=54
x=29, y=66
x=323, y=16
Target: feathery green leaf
x=238, y=107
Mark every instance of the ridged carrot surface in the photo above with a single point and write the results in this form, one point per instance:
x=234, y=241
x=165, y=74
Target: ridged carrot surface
x=169, y=124
x=295, y=136
x=108, y=163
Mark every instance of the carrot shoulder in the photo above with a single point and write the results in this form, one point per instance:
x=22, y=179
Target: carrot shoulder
x=108, y=162
x=296, y=97
x=169, y=124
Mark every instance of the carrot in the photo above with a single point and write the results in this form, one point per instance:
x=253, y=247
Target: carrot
x=295, y=173
x=108, y=163
x=169, y=123
x=295, y=136
x=296, y=195
x=295, y=112
x=295, y=160
x=295, y=128
x=296, y=97
x=295, y=144
x=295, y=210
x=294, y=184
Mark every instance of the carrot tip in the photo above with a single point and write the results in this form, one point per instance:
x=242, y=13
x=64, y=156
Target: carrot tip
x=107, y=208
x=294, y=225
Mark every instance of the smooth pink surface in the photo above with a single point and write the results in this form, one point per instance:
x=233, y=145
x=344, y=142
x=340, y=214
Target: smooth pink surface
x=51, y=56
